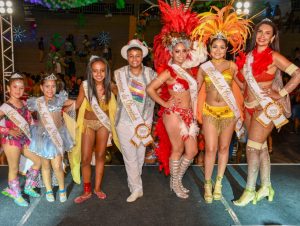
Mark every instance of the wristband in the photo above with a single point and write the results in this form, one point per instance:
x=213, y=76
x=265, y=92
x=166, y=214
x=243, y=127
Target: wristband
x=283, y=92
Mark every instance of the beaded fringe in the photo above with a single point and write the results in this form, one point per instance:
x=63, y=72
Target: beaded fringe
x=219, y=123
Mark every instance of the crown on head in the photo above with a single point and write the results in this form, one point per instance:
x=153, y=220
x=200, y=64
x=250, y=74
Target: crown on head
x=267, y=19
x=93, y=57
x=50, y=77
x=219, y=35
x=16, y=75
x=173, y=38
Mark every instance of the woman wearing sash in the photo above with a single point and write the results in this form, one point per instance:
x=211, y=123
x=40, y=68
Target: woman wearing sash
x=219, y=100
x=96, y=122
x=266, y=104
x=15, y=139
x=176, y=127
x=50, y=137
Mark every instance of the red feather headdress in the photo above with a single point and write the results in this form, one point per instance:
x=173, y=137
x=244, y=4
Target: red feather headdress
x=178, y=23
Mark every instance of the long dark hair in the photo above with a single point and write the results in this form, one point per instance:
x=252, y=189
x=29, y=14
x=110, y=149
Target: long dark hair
x=274, y=45
x=91, y=83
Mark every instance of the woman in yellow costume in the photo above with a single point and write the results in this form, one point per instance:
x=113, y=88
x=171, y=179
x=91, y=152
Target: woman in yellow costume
x=219, y=100
x=95, y=124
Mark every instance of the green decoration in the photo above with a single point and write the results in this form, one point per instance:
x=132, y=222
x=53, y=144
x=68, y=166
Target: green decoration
x=120, y=4
x=57, y=40
x=81, y=20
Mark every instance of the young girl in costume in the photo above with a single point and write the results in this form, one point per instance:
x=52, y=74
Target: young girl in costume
x=266, y=104
x=16, y=139
x=50, y=137
x=96, y=123
x=177, y=126
x=220, y=99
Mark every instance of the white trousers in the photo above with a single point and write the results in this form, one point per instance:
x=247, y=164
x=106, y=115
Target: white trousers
x=133, y=157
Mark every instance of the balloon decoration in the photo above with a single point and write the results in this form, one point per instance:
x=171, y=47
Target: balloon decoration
x=59, y=4
x=69, y=4
x=120, y=4
x=56, y=42
x=19, y=33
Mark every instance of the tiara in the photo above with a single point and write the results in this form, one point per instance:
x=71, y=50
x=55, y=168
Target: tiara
x=93, y=57
x=16, y=75
x=267, y=20
x=218, y=35
x=50, y=77
x=173, y=38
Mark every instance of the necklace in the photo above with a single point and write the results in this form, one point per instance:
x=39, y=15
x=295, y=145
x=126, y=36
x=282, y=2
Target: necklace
x=218, y=60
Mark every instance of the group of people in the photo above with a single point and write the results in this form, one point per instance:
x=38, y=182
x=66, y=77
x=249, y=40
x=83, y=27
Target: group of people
x=219, y=94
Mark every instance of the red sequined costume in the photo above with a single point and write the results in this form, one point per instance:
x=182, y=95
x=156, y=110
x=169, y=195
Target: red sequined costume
x=260, y=66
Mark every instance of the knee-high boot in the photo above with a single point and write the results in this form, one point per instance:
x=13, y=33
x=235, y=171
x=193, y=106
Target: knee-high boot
x=14, y=191
x=31, y=183
x=184, y=165
x=266, y=189
x=174, y=180
x=253, y=151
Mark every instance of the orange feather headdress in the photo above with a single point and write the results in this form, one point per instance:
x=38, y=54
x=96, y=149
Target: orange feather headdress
x=225, y=24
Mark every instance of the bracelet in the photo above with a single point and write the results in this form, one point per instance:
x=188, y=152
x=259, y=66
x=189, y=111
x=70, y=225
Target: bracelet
x=157, y=78
x=291, y=69
x=283, y=92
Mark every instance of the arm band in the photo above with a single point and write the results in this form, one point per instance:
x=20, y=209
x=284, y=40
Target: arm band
x=291, y=69
x=283, y=92
x=4, y=130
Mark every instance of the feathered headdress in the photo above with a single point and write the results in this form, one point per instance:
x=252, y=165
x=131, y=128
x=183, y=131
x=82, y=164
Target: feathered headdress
x=178, y=23
x=225, y=24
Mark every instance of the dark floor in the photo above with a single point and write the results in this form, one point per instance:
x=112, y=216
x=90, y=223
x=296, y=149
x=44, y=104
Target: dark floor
x=159, y=206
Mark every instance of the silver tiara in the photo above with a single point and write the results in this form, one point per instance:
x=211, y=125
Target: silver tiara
x=268, y=20
x=16, y=75
x=50, y=77
x=93, y=57
x=219, y=35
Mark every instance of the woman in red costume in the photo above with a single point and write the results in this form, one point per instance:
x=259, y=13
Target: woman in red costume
x=220, y=99
x=177, y=127
x=266, y=103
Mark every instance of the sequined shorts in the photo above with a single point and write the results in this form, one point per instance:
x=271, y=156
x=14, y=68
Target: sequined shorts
x=92, y=124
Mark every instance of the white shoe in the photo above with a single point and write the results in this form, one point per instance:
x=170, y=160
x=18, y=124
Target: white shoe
x=134, y=196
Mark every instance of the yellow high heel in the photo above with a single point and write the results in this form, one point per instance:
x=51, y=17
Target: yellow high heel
x=247, y=196
x=218, y=189
x=264, y=191
x=208, y=197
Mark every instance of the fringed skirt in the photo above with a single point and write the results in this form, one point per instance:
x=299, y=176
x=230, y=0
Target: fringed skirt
x=220, y=117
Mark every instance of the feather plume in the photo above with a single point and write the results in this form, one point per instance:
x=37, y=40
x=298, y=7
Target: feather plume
x=175, y=19
x=223, y=23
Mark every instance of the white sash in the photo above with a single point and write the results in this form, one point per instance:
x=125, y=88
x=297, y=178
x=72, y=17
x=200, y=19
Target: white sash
x=102, y=117
x=192, y=85
x=272, y=111
x=225, y=91
x=142, y=131
x=16, y=118
x=193, y=128
x=49, y=124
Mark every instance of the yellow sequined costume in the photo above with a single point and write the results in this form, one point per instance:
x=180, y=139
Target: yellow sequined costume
x=75, y=155
x=222, y=116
